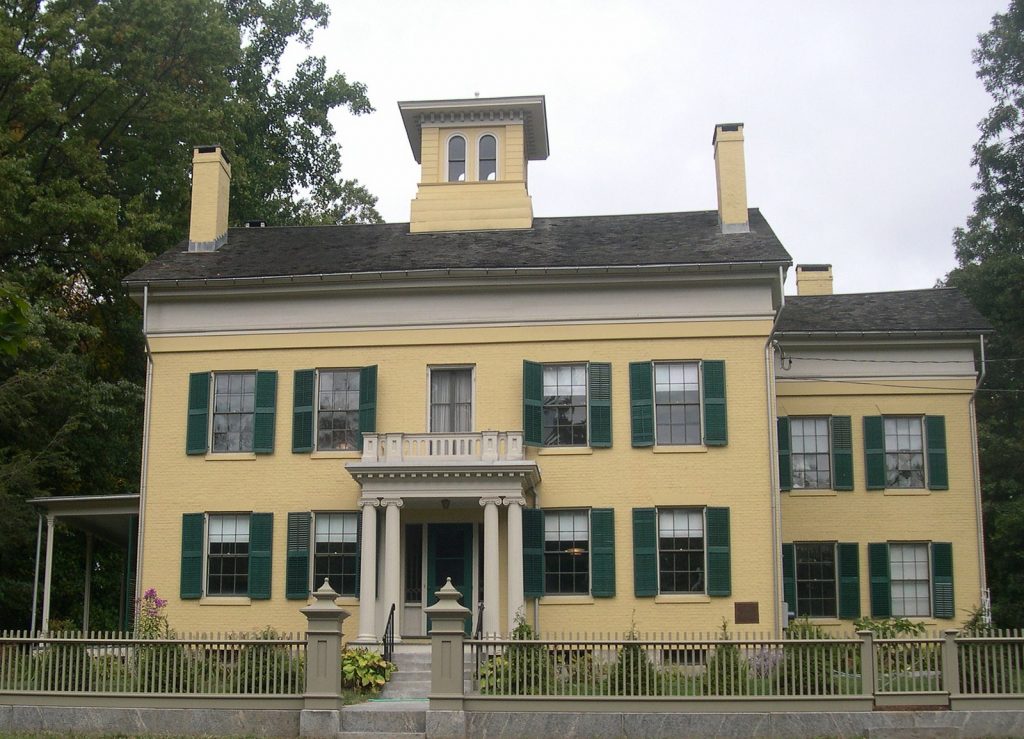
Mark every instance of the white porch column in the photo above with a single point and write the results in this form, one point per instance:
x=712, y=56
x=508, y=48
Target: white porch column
x=368, y=573
x=515, y=559
x=492, y=587
x=88, y=583
x=47, y=571
x=392, y=560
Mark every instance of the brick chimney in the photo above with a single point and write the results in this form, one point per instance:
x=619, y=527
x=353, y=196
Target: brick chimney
x=731, y=177
x=211, y=189
x=814, y=279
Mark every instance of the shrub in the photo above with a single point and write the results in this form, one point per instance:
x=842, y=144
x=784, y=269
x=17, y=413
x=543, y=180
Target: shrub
x=727, y=670
x=523, y=669
x=364, y=670
x=632, y=673
x=812, y=668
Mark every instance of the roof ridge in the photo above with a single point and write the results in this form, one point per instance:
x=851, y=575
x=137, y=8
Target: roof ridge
x=879, y=292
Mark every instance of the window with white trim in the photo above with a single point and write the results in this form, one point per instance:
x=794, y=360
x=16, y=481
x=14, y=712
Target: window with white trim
x=565, y=405
x=336, y=551
x=677, y=402
x=816, y=580
x=567, y=552
x=909, y=579
x=451, y=400
x=234, y=407
x=681, y=565
x=487, y=156
x=227, y=561
x=337, y=416
x=457, y=159
x=904, y=452
x=811, y=453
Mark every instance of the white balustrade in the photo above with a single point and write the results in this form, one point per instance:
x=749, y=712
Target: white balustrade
x=484, y=446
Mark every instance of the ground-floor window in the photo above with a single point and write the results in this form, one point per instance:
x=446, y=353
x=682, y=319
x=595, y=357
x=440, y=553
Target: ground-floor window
x=816, y=580
x=227, y=564
x=337, y=551
x=909, y=581
x=567, y=552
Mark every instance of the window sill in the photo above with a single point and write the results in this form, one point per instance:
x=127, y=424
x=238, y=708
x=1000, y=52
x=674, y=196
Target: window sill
x=231, y=456
x=680, y=449
x=564, y=450
x=348, y=454
x=225, y=600
x=822, y=621
x=814, y=493
x=907, y=491
x=682, y=598
x=567, y=600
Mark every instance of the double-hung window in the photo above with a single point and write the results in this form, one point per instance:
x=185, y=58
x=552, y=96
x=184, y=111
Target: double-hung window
x=227, y=564
x=488, y=158
x=681, y=564
x=816, y=580
x=677, y=402
x=243, y=408
x=451, y=400
x=337, y=417
x=336, y=555
x=567, y=404
x=909, y=579
x=904, y=452
x=811, y=453
x=456, y=159
x=567, y=552
x=234, y=407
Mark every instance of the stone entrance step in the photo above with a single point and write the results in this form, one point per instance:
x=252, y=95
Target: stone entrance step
x=402, y=719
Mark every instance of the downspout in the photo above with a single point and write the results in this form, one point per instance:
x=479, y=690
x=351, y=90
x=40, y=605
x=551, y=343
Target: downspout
x=145, y=447
x=972, y=406
x=774, y=492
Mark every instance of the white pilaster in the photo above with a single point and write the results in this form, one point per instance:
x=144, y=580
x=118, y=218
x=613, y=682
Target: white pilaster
x=514, y=535
x=492, y=588
x=392, y=560
x=368, y=573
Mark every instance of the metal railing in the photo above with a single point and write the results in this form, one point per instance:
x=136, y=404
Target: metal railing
x=388, y=640
x=110, y=662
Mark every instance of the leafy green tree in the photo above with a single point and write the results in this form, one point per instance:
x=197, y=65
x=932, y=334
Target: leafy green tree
x=990, y=252
x=100, y=104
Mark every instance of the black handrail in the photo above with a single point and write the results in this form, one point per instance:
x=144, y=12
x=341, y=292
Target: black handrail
x=389, y=636
x=479, y=620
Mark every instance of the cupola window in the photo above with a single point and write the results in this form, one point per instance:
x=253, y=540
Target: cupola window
x=456, y=159
x=488, y=158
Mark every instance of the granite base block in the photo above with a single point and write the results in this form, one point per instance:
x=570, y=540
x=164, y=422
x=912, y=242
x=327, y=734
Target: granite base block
x=319, y=723
x=446, y=724
x=544, y=725
x=155, y=721
x=696, y=724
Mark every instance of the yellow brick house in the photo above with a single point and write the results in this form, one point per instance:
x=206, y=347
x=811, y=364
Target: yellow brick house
x=581, y=421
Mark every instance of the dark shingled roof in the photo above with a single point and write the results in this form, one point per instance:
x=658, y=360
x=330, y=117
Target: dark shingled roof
x=907, y=311
x=584, y=241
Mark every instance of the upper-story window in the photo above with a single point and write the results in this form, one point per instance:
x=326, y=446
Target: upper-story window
x=904, y=452
x=234, y=405
x=337, y=418
x=488, y=158
x=451, y=400
x=811, y=454
x=677, y=402
x=456, y=159
x=565, y=405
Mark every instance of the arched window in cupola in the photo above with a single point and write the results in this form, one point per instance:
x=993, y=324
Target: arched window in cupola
x=488, y=158
x=456, y=159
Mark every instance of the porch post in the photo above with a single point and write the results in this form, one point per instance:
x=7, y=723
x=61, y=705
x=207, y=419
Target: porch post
x=515, y=560
x=368, y=573
x=492, y=586
x=47, y=571
x=392, y=559
x=88, y=583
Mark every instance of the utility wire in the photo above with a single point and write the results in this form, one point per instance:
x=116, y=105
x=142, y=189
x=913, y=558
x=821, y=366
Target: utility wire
x=905, y=387
x=903, y=361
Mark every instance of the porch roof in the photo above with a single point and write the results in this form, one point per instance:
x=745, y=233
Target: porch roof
x=105, y=516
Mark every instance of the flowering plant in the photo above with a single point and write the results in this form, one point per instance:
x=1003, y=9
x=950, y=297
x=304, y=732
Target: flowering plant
x=151, y=623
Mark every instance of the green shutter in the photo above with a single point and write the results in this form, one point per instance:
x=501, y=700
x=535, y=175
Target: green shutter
x=599, y=394
x=878, y=571
x=602, y=553
x=942, y=580
x=874, y=452
x=533, y=400
x=265, y=415
x=359, y=553
x=261, y=537
x=935, y=432
x=842, y=453
x=789, y=577
x=192, y=555
x=302, y=410
x=785, y=454
x=297, y=563
x=533, y=552
x=848, y=568
x=367, y=402
x=716, y=429
x=197, y=433
x=645, y=552
x=719, y=557
x=641, y=403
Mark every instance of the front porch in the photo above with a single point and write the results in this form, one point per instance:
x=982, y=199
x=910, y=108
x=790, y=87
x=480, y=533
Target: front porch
x=448, y=500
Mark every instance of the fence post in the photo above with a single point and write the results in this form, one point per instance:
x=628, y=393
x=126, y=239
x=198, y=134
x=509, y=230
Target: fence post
x=867, y=663
x=447, y=658
x=321, y=710
x=950, y=663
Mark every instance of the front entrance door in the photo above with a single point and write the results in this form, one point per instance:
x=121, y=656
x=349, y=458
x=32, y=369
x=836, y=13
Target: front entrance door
x=450, y=554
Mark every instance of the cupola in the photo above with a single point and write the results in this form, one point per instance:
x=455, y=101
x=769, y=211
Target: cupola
x=473, y=155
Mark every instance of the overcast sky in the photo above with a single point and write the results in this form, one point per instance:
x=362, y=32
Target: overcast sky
x=859, y=116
